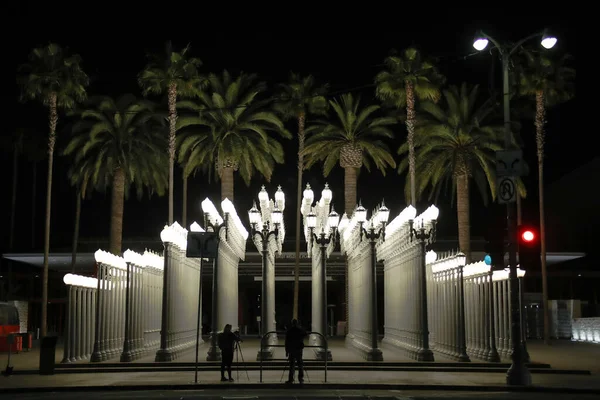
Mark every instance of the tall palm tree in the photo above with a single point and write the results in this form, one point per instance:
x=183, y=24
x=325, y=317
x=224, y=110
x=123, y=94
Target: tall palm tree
x=58, y=81
x=177, y=74
x=352, y=139
x=408, y=78
x=295, y=99
x=235, y=131
x=454, y=145
x=119, y=144
x=550, y=81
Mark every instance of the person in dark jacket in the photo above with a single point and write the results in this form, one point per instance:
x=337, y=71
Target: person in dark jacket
x=294, y=344
x=227, y=340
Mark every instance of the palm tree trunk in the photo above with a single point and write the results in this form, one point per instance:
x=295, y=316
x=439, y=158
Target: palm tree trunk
x=52, y=121
x=13, y=200
x=464, y=220
x=540, y=120
x=410, y=126
x=33, y=202
x=350, y=177
x=184, y=213
x=76, y=230
x=301, y=119
x=172, y=130
x=350, y=190
x=227, y=183
x=116, y=215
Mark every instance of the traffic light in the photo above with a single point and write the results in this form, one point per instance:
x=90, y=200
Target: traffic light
x=528, y=239
x=494, y=248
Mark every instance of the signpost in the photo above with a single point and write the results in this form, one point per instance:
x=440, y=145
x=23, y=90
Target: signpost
x=509, y=163
x=507, y=190
x=201, y=245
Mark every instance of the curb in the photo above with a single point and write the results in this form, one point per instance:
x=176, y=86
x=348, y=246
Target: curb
x=90, y=370
x=306, y=386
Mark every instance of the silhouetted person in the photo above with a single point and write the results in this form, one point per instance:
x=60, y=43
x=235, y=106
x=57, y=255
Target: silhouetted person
x=227, y=341
x=294, y=344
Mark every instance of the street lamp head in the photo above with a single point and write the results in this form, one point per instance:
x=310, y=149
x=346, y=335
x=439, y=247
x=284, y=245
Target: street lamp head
x=263, y=196
x=195, y=227
x=276, y=216
x=361, y=213
x=343, y=224
x=333, y=219
x=309, y=195
x=326, y=194
x=311, y=220
x=383, y=213
x=280, y=198
x=548, y=40
x=480, y=42
x=254, y=216
x=461, y=258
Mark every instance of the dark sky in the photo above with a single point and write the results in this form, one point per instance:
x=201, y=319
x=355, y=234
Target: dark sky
x=348, y=65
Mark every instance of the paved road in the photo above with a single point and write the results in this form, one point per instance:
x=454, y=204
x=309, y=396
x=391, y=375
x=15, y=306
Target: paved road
x=302, y=394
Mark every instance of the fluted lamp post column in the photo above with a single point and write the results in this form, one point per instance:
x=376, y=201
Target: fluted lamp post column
x=425, y=234
x=323, y=240
x=374, y=232
x=518, y=374
x=264, y=226
x=214, y=223
x=131, y=258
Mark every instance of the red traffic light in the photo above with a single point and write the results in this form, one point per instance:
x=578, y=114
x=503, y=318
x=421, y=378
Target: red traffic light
x=527, y=235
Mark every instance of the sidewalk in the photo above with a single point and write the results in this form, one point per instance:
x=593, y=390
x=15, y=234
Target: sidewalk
x=562, y=355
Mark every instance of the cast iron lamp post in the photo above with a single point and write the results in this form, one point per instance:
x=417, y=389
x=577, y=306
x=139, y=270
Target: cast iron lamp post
x=373, y=233
x=265, y=227
x=323, y=240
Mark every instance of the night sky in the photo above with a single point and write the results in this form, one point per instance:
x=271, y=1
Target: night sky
x=347, y=65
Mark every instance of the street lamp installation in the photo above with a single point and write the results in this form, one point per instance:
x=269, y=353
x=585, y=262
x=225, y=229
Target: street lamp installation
x=213, y=223
x=328, y=227
x=374, y=232
x=265, y=225
x=518, y=374
x=425, y=234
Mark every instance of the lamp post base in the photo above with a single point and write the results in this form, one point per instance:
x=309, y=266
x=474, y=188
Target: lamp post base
x=127, y=356
x=320, y=354
x=518, y=375
x=424, y=355
x=374, y=355
x=266, y=354
x=163, y=355
x=213, y=354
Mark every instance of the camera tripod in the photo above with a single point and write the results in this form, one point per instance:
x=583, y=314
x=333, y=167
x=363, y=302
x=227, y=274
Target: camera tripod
x=237, y=347
x=286, y=366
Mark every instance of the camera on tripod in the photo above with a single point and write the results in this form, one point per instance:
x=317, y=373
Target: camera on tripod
x=238, y=338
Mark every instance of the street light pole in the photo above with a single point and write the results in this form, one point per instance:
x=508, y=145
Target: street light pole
x=328, y=223
x=518, y=374
x=214, y=354
x=275, y=219
x=373, y=234
x=424, y=237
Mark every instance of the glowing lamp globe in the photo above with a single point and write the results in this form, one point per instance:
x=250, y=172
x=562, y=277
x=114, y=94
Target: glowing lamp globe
x=549, y=41
x=311, y=220
x=480, y=43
